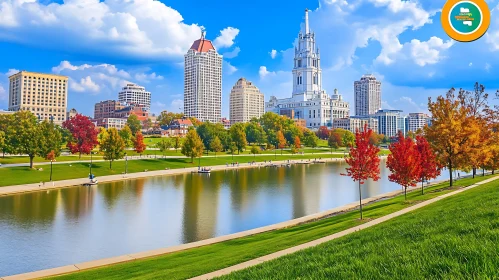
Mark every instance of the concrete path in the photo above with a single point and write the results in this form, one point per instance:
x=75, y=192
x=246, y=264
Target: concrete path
x=314, y=243
x=9, y=190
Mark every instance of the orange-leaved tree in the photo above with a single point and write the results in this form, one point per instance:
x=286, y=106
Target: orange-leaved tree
x=363, y=160
x=403, y=162
x=281, y=141
x=430, y=168
x=138, y=143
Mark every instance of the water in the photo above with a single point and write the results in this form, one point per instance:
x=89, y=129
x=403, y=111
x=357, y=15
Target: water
x=54, y=228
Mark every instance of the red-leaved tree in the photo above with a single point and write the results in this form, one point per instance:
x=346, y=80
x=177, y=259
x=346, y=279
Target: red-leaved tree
x=403, y=162
x=84, y=134
x=363, y=160
x=323, y=132
x=430, y=168
x=138, y=143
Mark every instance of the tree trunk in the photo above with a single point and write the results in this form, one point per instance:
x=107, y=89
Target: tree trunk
x=450, y=173
x=474, y=172
x=50, y=171
x=405, y=193
x=110, y=164
x=31, y=157
x=422, y=186
x=79, y=157
x=493, y=171
x=483, y=172
x=360, y=201
x=192, y=159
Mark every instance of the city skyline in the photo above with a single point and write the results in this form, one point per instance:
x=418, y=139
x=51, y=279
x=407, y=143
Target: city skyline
x=259, y=54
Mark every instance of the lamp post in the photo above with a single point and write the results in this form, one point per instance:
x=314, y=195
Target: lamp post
x=51, y=169
x=126, y=163
x=90, y=166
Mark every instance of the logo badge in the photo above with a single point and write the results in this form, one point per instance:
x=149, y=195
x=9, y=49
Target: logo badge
x=465, y=20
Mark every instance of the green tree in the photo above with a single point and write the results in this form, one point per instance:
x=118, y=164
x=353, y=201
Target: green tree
x=102, y=135
x=126, y=135
x=165, y=117
x=50, y=140
x=134, y=123
x=311, y=140
x=238, y=135
x=193, y=146
x=216, y=145
x=255, y=133
x=113, y=146
x=23, y=135
x=255, y=150
x=2, y=140
x=348, y=138
x=5, y=121
x=177, y=143
x=164, y=145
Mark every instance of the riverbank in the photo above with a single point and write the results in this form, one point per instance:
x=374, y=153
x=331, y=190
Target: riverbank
x=200, y=260
x=136, y=169
x=455, y=238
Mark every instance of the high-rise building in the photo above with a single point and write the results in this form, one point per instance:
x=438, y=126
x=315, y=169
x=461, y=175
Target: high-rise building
x=44, y=95
x=203, y=82
x=106, y=109
x=71, y=113
x=390, y=122
x=132, y=93
x=356, y=123
x=246, y=102
x=309, y=101
x=416, y=121
x=367, y=95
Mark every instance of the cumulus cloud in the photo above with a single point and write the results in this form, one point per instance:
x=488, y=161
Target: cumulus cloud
x=229, y=69
x=84, y=85
x=413, y=105
x=3, y=93
x=273, y=53
x=232, y=53
x=11, y=72
x=144, y=77
x=429, y=52
x=136, y=28
x=263, y=72
x=226, y=38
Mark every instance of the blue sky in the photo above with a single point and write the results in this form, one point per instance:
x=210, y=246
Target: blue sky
x=101, y=45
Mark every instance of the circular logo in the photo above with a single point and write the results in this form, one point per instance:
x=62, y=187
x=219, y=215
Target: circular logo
x=465, y=20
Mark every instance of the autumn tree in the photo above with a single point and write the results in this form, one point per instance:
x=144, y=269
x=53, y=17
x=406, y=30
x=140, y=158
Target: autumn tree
x=50, y=140
x=255, y=150
x=126, y=135
x=193, y=146
x=403, y=162
x=429, y=167
x=281, y=141
x=83, y=134
x=297, y=143
x=363, y=160
x=323, y=133
x=238, y=135
x=138, y=143
x=134, y=123
x=113, y=146
x=51, y=157
x=164, y=145
x=334, y=141
x=453, y=133
x=216, y=145
x=348, y=138
x=23, y=135
x=165, y=117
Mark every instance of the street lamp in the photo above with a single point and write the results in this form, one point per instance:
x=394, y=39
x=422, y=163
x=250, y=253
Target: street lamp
x=126, y=163
x=90, y=162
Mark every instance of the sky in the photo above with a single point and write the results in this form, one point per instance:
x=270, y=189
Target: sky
x=102, y=45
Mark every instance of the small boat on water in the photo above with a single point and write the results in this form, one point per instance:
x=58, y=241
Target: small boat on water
x=319, y=161
x=204, y=170
x=93, y=180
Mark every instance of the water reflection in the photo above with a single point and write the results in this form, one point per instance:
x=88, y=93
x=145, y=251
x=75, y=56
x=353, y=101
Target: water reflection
x=71, y=225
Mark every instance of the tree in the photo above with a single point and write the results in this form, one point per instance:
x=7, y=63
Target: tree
x=255, y=150
x=138, y=143
x=102, y=135
x=281, y=141
x=83, y=134
x=348, y=138
x=193, y=146
x=311, y=140
x=363, y=160
x=216, y=145
x=50, y=139
x=375, y=139
x=147, y=124
x=297, y=143
x=50, y=156
x=2, y=141
x=5, y=121
x=164, y=145
x=403, y=162
x=430, y=169
x=113, y=146
x=134, y=123
x=255, y=133
x=23, y=135
x=126, y=135
x=176, y=143
x=334, y=140
x=452, y=133
x=238, y=135
x=323, y=133
x=165, y=117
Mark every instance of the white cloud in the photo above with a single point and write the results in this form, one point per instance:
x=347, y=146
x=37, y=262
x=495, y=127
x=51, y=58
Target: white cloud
x=11, y=72
x=471, y=64
x=177, y=105
x=136, y=28
x=229, y=69
x=273, y=53
x=412, y=104
x=3, y=93
x=487, y=67
x=226, y=38
x=429, y=52
x=144, y=77
x=232, y=53
x=263, y=72
x=84, y=85
x=385, y=105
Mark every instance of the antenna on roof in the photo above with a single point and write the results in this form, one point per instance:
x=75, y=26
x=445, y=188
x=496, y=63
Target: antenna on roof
x=203, y=32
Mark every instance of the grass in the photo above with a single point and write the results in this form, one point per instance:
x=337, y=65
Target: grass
x=197, y=261
x=456, y=238
x=25, y=159
x=24, y=175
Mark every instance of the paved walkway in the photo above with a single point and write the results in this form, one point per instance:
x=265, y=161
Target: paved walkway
x=314, y=243
x=9, y=190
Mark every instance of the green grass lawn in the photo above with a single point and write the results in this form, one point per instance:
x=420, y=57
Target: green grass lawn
x=24, y=175
x=25, y=159
x=197, y=261
x=456, y=238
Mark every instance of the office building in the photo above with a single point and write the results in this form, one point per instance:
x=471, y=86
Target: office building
x=44, y=95
x=106, y=109
x=203, y=82
x=356, y=123
x=390, y=122
x=246, y=102
x=132, y=93
x=367, y=95
x=417, y=121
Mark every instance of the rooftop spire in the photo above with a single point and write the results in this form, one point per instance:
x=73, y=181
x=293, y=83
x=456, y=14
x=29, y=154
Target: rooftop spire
x=203, y=32
x=306, y=21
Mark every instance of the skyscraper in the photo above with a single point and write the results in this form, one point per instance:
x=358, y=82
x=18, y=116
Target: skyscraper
x=367, y=95
x=203, y=82
x=309, y=101
x=246, y=102
x=132, y=93
x=44, y=95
